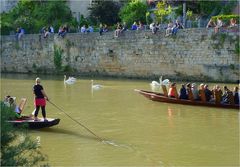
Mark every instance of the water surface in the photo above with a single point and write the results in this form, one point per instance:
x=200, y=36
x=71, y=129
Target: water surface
x=137, y=131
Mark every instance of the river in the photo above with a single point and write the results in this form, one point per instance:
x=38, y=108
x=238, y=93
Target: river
x=136, y=131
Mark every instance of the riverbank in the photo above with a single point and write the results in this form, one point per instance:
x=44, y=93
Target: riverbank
x=192, y=55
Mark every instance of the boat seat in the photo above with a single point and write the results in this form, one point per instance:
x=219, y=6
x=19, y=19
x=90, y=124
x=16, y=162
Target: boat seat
x=165, y=92
x=22, y=104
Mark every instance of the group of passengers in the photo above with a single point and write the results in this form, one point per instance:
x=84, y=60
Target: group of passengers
x=190, y=92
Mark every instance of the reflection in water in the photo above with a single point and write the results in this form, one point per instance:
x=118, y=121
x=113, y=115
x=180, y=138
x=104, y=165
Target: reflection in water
x=136, y=131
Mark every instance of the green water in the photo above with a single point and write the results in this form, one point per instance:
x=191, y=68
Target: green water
x=137, y=131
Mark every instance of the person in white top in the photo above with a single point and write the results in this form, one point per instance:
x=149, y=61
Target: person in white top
x=219, y=25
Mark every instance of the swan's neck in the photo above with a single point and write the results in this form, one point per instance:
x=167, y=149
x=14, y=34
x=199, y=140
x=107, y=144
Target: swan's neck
x=160, y=80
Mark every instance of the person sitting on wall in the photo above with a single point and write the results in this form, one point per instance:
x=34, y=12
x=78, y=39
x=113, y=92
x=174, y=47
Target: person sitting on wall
x=118, y=30
x=134, y=26
x=211, y=24
x=140, y=26
x=63, y=31
x=124, y=27
x=83, y=29
x=169, y=29
x=233, y=23
x=219, y=25
x=153, y=27
x=100, y=29
x=90, y=29
x=176, y=27
x=105, y=28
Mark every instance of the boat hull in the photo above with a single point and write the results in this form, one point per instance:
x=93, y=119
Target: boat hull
x=36, y=124
x=161, y=98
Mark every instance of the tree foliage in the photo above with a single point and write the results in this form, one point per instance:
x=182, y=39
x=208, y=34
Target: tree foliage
x=162, y=11
x=32, y=15
x=17, y=148
x=105, y=12
x=134, y=11
x=207, y=7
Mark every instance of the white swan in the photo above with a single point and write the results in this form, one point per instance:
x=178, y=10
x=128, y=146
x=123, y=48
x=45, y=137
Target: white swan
x=70, y=80
x=96, y=86
x=164, y=82
x=156, y=84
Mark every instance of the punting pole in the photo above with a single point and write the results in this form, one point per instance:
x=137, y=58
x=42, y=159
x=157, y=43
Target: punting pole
x=76, y=121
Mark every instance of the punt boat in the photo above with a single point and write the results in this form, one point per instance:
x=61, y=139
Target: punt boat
x=30, y=123
x=159, y=97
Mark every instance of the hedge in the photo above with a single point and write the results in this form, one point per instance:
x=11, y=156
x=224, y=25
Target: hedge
x=226, y=18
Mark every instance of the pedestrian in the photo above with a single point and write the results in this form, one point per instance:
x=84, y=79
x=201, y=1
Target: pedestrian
x=40, y=99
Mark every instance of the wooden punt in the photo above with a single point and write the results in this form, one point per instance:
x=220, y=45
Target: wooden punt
x=30, y=123
x=154, y=96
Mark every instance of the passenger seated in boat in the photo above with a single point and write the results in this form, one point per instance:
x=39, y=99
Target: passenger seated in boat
x=236, y=95
x=208, y=93
x=202, y=93
x=6, y=100
x=217, y=92
x=195, y=92
x=11, y=102
x=14, y=107
x=189, y=92
x=227, y=96
x=173, y=91
x=183, y=93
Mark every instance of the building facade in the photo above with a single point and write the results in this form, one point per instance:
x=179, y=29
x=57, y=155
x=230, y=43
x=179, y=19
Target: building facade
x=7, y=5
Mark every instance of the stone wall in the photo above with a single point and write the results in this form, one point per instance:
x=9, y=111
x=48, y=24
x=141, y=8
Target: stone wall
x=194, y=54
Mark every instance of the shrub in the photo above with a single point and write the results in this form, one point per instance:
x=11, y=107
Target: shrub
x=17, y=148
x=226, y=18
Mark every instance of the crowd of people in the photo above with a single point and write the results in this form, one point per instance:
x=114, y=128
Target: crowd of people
x=220, y=24
x=170, y=29
x=203, y=93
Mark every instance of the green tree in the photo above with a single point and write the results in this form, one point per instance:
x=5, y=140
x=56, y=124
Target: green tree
x=17, y=148
x=162, y=11
x=133, y=11
x=207, y=7
x=105, y=12
x=32, y=15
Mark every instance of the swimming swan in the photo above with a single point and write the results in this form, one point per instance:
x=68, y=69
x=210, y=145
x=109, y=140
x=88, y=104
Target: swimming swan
x=96, y=86
x=70, y=80
x=156, y=84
